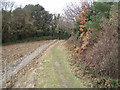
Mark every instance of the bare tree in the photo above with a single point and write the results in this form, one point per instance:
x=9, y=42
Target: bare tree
x=72, y=10
x=7, y=5
x=11, y=5
x=71, y=13
x=64, y=24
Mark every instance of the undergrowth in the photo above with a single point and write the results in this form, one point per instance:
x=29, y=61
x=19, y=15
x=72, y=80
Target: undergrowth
x=90, y=73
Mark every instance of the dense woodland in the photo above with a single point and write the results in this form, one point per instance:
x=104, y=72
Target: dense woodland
x=92, y=29
x=32, y=21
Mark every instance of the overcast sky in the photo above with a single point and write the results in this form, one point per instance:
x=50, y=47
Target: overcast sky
x=53, y=6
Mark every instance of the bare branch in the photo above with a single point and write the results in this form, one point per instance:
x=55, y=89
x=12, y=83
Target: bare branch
x=7, y=5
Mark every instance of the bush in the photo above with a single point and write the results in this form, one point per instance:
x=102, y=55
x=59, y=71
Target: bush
x=102, y=8
x=94, y=25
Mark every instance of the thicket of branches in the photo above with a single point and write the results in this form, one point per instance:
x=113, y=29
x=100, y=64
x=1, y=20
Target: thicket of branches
x=95, y=38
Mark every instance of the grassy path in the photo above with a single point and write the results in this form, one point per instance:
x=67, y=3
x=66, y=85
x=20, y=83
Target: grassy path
x=56, y=71
x=53, y=73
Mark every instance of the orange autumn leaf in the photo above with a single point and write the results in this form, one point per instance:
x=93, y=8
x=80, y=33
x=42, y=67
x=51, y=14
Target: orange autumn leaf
x=81, y=29
x=82, y=26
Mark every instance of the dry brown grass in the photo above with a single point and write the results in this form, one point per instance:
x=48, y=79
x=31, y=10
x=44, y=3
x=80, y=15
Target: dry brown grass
x=13, y=52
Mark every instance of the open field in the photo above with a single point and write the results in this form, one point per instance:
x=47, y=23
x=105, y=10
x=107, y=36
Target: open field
x=13, y=52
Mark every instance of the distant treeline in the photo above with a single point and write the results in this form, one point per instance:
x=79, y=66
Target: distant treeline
x=30, y=21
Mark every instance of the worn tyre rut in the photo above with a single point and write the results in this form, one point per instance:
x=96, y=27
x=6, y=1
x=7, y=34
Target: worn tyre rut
x=7, y=73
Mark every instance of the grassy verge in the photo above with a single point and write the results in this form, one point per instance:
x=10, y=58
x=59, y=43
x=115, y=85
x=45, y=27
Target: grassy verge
x=56, y=71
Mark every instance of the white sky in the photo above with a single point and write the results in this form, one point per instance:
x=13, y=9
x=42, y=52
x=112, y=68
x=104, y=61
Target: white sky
x=53, y=6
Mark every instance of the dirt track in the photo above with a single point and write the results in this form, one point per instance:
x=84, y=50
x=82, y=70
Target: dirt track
x=13, y=52
x=17, y=65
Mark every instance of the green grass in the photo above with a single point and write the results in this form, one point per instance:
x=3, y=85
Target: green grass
x=56, y=71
